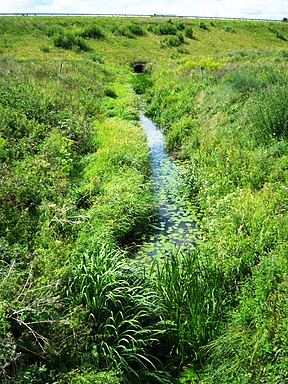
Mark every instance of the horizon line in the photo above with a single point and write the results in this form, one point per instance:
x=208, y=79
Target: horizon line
x=135, y=15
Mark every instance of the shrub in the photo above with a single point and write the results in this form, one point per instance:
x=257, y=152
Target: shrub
x=167, y=28
x=67, y=40
x=188, y=32
x=92, y=31
x=245, y=81
x=228, y=28
x=137, y=29
x=123, y=30
x=202, y=25
x=129, y=30
x=53, y=30
x=278, y=34
x=172, y=41
x=110, y=93
x=183, y=50
x=141, y=83
x=45, y=49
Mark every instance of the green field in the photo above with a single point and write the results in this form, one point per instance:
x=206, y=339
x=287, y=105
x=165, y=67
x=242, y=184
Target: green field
x=76, y=198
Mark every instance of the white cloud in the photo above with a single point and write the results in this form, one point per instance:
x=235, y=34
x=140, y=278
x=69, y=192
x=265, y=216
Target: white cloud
x=266, y=9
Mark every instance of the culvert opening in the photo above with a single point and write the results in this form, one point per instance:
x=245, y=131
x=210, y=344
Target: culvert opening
x=139, y=66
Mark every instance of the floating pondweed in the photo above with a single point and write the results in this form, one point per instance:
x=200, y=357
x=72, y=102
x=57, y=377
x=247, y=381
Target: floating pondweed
x=175, y=226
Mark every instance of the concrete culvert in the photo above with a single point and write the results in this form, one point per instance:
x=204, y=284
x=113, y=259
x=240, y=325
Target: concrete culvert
x=139, y=66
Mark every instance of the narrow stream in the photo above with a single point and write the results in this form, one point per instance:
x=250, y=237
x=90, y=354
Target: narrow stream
x=175, y=226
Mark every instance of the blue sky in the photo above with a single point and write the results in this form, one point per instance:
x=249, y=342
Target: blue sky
x=259, y=9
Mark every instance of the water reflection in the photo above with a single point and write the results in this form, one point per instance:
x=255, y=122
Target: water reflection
x=175, y=226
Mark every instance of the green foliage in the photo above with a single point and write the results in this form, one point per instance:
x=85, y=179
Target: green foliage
x=278, y=34
x=191, y=293
x=228, y=28
x=67, y=40
x=256, y=331
x=167, y=28
x=121, y=307
x=129, y=30
x=137, y=29
x=269, y=115
x=92, y=31
x=78, y=376
x=203, y=26
x=245, y=81
x=96, y=57
x=237, y=175
x=47, y=139
x=141, y=82
x=45, y=49
x=75, y=187
x=188, y=32
x=172, y=41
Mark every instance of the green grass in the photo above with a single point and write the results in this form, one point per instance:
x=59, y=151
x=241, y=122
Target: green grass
x=221, y=119
x=76, y=196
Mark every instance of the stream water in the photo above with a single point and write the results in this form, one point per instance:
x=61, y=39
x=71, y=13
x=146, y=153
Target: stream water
x=175, y=226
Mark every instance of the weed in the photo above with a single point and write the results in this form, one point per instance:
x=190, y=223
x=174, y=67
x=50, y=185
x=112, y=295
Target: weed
x=92, y=31
x=188, y=32
x=67, y=40
x=75, y=192
x=203, y=26
x=95, y=57
x=141, y=82
x=269, y=116
x=167, y=28
x=228, y=28
x=121, y=308
x=129, y=30
x=172, y=41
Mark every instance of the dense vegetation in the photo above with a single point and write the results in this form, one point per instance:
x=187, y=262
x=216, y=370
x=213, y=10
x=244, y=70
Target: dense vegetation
x=76, y=196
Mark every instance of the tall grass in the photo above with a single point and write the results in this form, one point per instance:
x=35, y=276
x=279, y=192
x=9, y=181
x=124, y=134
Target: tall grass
x=122, y=311
x=269, y=115
x=233, y=137
x=190, y=290
x=75, y=187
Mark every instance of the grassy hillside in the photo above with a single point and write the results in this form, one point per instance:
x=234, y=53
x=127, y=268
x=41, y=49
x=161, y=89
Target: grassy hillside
x=75, y=197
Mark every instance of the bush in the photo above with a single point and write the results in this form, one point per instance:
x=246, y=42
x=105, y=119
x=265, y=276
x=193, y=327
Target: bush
x=202, y=25
x=129, y=30
x=278, y=34
x=123, y=30
x=228, y=28
x=45, y=49
x=141, y=82
x=172, y=41
x=188, y=32
x=92, y=32
x=137, y=29
x=167, y=28
x=67, y=40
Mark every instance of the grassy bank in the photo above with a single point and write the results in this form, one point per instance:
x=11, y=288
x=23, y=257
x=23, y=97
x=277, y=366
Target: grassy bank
x=228, y=121
x=75, y=197
x=74, y=182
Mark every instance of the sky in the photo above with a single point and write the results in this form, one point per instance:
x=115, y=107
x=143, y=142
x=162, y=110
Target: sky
x=252, y=9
